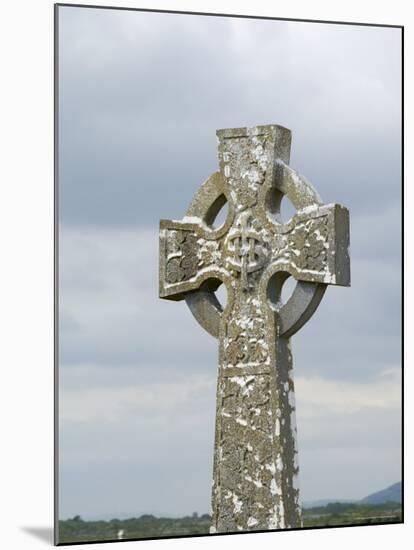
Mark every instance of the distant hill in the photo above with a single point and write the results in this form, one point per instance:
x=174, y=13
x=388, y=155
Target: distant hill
x=324, y=502
x=390, y=494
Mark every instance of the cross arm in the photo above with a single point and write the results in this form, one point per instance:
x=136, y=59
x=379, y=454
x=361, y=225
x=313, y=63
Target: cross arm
x=314, y=245
x=188, y=260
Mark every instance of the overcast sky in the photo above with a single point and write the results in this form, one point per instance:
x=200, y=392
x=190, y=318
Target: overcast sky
x=141, y=96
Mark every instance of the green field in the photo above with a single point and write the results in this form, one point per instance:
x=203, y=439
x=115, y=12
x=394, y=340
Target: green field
x=147, y=526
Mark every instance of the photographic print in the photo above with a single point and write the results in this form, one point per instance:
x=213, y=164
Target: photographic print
x=228, y=206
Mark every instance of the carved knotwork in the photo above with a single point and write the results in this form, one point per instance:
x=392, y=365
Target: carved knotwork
x=309, y=243
x=182, y=261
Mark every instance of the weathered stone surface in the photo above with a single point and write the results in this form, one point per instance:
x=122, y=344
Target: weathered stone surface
x=255, y=459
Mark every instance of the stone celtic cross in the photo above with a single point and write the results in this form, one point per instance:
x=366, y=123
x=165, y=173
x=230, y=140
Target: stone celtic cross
x=255, y=484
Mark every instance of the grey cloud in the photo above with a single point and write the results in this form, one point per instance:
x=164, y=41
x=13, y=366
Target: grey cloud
x=109, y=291
x=142, y=95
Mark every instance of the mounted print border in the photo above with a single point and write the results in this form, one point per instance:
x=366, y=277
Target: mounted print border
x=139, y=97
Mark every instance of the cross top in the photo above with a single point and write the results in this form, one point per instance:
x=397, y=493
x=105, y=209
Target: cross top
x=253, y=253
